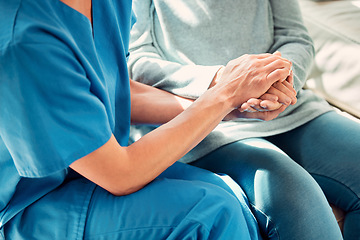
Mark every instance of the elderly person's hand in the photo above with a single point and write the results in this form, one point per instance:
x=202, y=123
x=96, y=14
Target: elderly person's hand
x=277, y=97
x=281, y=93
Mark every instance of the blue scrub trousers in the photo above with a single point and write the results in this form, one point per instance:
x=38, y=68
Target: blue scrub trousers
x=184, y=202
x=286, y=191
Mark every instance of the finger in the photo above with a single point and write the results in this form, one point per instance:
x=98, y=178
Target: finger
x=286, y=88
x=249, y=110
x=263, y=55
x=278, y=75
x=290, y=78
x=271, y=59
x=256, y=103
x=273, y=114
x=277, y=63
x=270, y=97
x=245, y=107
x=265, y=116
x=283, y=98
x=268, y=58
x=270, y=102
x=270, y=105
x=289, y=86
x=277, y=53
x=263, y=104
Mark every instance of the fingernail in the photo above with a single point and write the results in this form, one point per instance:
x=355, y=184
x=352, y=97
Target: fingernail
x=287, y=100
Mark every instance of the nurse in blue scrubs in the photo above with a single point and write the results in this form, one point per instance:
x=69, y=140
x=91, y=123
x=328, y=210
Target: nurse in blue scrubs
x=66, y=170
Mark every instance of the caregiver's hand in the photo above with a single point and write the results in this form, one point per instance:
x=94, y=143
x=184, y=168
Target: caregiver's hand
x=251, y=76
x=280, y=93
x=266, y=108
x=124, y=170
x=257, y=72
x=269, y=105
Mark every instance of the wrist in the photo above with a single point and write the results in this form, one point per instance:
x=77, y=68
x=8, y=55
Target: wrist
x=217, y=77
x=220, y=96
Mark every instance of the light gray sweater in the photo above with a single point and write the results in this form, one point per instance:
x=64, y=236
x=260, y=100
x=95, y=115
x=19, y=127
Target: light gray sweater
x=178, y=46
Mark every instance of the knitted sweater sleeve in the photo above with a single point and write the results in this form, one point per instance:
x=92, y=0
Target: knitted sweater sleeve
x=292, y=39
x=148, y=65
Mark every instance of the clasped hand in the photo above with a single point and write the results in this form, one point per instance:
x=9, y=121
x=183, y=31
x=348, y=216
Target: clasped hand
x=278, y=96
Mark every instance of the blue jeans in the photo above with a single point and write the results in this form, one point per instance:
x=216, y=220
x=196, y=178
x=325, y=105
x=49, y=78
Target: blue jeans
x=289, y=178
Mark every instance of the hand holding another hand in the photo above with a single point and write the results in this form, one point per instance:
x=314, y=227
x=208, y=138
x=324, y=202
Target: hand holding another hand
x=267, y=74
x=251, y=76
x=268, y=106
x=279, y=94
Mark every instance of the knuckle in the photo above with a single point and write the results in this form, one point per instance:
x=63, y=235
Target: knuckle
x=277, y=74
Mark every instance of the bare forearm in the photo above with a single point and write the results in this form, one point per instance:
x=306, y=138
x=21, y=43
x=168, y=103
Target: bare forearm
x=154, y=106
x=168, y=143
x=123, y=170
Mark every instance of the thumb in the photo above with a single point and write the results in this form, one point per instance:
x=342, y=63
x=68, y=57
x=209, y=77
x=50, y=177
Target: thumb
x=277, y=53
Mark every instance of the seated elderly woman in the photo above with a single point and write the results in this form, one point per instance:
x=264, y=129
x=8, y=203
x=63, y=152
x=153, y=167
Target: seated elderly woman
x=291, y=166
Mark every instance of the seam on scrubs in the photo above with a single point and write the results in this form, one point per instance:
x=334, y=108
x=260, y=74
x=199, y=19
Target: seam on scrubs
x=116, y=233
x=80, y=229
x=14, y=24
x=43, y=172
x=101, y=138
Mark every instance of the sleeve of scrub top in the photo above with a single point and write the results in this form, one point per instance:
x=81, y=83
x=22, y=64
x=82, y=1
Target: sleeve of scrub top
x=292, y=39
x=49, y=116
x=147, y=65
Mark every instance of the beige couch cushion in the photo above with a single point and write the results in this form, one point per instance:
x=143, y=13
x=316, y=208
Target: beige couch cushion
x=335, y=29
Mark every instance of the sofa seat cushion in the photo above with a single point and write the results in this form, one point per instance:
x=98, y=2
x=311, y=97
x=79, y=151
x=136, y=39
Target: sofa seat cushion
x=335, y=29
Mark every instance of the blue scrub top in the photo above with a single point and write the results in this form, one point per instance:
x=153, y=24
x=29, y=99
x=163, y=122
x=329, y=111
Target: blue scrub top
x=64, y=89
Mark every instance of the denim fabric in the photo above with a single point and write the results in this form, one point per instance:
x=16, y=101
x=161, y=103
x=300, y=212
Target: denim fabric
x=287, y=178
